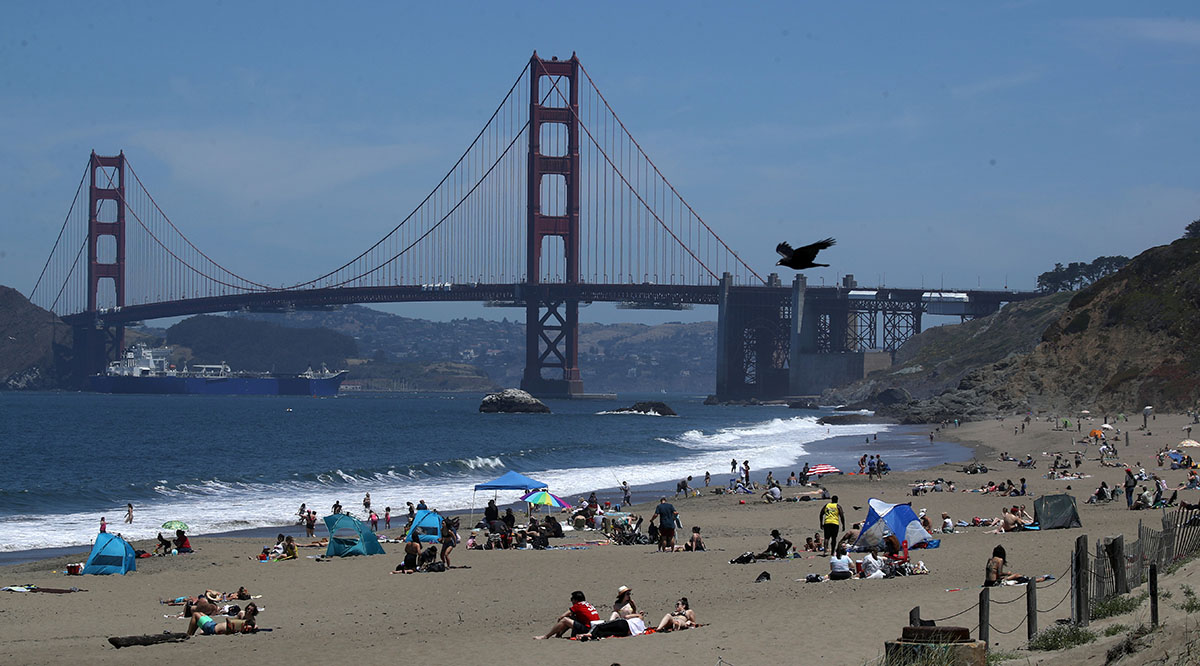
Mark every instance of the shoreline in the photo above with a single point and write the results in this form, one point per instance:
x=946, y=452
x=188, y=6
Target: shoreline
x=504, y=597
x=644, y=496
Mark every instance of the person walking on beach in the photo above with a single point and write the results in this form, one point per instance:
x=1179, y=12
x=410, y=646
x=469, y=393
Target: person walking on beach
x=103, y=525
x=387, y=517
x=1130, y=486
x=310, y=524
x=129, y=513
x=832, y=520
x=707, y=479
x=746, y=471
x=367, y=503
x=733, y=466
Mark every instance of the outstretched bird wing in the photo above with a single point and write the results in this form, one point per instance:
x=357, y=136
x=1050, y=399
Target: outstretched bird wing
x=784, y=250
x=809, y=252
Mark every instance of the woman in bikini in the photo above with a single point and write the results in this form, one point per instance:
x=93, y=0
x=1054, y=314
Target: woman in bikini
x=683, y=617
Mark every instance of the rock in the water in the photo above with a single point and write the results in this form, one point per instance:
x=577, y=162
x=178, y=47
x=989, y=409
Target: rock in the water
x=512, y=401
x=649, y=407
x=803, y=404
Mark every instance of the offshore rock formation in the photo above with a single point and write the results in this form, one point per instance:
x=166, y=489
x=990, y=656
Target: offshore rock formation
x=512, y=401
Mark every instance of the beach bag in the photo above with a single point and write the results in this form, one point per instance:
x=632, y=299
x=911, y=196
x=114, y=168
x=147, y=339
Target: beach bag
x=436, y=567
x=813, y=578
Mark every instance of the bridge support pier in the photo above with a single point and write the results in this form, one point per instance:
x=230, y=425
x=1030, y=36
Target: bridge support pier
x=551, y=342
x=753, y=342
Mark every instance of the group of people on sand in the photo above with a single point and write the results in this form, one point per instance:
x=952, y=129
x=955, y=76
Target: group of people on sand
x=427, y=559
x=213, y=612
x=583, y=620
x=180, y=544
x=284, y=549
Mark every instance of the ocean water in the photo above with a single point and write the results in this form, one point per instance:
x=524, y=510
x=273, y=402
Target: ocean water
x=225, y=463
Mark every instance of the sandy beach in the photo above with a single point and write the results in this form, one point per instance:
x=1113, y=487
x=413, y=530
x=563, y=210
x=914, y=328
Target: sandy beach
x=352, y=607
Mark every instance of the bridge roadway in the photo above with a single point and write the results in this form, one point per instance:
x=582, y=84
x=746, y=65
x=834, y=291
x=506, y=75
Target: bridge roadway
x=646, y=295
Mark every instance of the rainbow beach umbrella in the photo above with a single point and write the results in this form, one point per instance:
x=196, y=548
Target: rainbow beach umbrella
x=543, y=497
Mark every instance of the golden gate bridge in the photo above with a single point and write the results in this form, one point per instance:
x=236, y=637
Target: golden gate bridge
x=553, y=204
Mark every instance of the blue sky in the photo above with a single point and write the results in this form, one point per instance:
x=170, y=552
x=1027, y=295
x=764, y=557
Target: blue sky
x=964, y=144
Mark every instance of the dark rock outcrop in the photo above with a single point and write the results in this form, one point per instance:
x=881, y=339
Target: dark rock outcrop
x=648, y=407
x=511, y=401
x=34, y=345
x=803, y=404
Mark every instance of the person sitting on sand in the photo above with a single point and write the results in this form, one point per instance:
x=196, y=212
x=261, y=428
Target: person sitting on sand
x=288, y=552
x=994, y=573
x=841, y=567
x=850, y=537
x=1006, y=523
x=182, y=543
x=624, y=607
x=683, y=617
x=164, y=545
x=808, y=545
x=696, y=543
x=1027, y=462
x=579, y=618
x=1145, y=500
x=773, y=494
x=818, y=543
x=777, y=549
x=412, y=550
x=872, y=564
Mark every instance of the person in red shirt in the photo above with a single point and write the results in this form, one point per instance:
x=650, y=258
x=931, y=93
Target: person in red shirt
x=103, y=525
x=578, y=618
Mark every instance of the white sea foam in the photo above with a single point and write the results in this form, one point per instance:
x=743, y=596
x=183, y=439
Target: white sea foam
x=218, y=505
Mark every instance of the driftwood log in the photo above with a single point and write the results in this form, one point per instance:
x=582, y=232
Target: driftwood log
x=147, y=639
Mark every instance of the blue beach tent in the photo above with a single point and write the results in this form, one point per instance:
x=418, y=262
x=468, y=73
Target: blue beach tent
x=350, y=536
x=110, y=555
x=510, y=480
x=884, y=520
x=428, y=525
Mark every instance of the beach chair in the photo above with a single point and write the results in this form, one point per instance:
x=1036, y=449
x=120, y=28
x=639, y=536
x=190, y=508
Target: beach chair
x=901, y=557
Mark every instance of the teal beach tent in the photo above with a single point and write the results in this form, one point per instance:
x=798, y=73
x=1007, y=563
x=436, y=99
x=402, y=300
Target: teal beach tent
x=110, y=555
x=349, y=536
x=427, y=525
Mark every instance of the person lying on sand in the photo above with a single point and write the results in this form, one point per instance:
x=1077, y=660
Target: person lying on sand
x=683, y=617
x=209, y=626
x=319, y=543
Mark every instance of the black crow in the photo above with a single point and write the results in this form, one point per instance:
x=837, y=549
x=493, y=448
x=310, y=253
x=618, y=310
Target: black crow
x=802, y=258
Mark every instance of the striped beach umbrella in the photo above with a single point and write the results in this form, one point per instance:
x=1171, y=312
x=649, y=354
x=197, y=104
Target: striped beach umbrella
x=823, y=468
x=543, y=497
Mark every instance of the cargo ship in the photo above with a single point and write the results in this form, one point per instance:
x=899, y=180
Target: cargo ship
x=145, y=369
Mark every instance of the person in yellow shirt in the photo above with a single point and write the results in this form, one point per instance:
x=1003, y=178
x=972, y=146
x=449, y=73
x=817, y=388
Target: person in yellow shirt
x=832, y=520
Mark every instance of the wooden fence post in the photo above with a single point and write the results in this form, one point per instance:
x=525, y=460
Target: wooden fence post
x=984, y=616
x=1153, y=595
x=914, y=617
x=1031, y=608
x=1115, y=550
x=1082, y=600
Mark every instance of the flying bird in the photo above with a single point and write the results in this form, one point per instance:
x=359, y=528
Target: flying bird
x=802, y=258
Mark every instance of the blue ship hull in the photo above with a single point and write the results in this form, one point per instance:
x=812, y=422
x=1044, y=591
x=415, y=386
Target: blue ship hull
x=218, y=385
